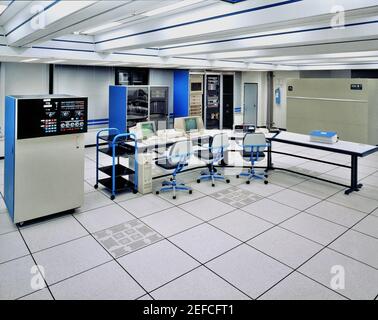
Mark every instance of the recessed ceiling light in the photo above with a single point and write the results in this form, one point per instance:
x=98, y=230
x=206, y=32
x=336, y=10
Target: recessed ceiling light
x=29, y=60
x=171, y=7
x=102, y=27
x=55, y=61
x=2, y=8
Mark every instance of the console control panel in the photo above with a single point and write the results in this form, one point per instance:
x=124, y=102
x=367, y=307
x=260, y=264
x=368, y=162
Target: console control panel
x=51, y=116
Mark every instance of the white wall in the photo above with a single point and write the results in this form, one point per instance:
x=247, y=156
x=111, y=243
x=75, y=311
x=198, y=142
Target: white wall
x=20, y=79
x=261, y=79
x=279, y=110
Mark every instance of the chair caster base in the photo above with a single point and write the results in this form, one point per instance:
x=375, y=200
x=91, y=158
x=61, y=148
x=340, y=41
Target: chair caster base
x=213, y=185
x=248, y=182
x=95, y=186
x=112, y=197
x=266, y=182
x=174, y=197
x=198, y=180
x=237, y=177
x=228, y=181
x=190, y=191
x=157, y=192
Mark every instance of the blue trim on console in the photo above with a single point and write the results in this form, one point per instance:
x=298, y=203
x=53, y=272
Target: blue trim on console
x=9, y=163
x=181, y=93
x=118, y=107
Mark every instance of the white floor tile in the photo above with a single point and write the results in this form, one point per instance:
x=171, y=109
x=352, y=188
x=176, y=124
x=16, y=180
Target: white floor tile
x=369, y=191
x=15, y=278
x=106, y=282
x=103, y=218
x=264, y=190
x=317, y=167
x=52, y=232
x=143, y=206
x=71, y=258
x=12, y=246
x=359, y=246
x=6, y=224
x=241, y=225
x=207, y=208
x=314, y=228
x=200, y=284
x=271, y=210
x=93, y=200
x=204, y=242
x=157, y=264
x=298, y=287
x=363, y=172
x=361, y=281
x=181, y=197
x=294, y=199
x=43, y=294
x=368, y=226
x=206, y=188
x=171, y=221
x=285, y=246
x=285, y=179
x=317, y=189
x=249, y=270
x=375, y=213
x=355, y=201
x=336, y=213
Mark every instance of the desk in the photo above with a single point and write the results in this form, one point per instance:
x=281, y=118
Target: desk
x=354, y=150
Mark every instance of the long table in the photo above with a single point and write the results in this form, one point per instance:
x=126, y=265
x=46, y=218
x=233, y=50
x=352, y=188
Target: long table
x=352, y=149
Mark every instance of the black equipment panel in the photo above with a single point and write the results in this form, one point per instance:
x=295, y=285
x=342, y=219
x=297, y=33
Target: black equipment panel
x=51, y=117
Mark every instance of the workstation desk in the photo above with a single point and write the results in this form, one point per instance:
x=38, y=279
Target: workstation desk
x=352, y=149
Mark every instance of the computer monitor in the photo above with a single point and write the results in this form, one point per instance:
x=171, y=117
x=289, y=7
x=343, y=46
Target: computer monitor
x=146, y=129
x=189, y=124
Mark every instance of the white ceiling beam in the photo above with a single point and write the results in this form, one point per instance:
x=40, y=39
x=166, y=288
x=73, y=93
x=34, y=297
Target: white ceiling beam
x=179, y=28
x=12, y=9
x=39, y=18
x=353, y=46
x=350, y=33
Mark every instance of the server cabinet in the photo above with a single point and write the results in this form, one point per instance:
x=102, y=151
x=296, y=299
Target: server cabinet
x=212, y=113
x=228, y=101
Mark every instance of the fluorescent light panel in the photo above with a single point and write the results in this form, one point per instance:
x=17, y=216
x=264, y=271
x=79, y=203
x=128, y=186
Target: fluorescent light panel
x=2, y=8
x=55, y=61
x=103, y=27
x=30, y=60
x=171, y=7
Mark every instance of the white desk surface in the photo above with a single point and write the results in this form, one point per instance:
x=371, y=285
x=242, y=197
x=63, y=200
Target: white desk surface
x=340, y=146
x=163, y=140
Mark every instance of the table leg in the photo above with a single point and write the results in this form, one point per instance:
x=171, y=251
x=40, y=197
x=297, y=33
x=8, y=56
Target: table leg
x=354, y=185
x=269, y=164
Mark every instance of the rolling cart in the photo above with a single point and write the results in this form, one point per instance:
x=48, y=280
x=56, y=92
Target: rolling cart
x=120, y=178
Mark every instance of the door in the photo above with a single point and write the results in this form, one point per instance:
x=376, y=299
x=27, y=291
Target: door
x=250, y=103
x=228, y=101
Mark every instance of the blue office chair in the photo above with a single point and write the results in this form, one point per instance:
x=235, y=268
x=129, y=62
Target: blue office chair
x=212, y=155
x=254, y=145
x=177, y=158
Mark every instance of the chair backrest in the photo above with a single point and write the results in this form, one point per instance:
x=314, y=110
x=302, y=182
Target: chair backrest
x=180, y=152
x=220, y=141
x=254, y=139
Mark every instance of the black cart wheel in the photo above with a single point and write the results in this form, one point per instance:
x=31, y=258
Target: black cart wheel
x=157, y=192
x=266, y=182
x=135, y=191
x=248, y=182
x=174, y=197
x=190, y=191
x=213, y=185
x=95, y=186
x=228, y=181
x=198, y=180
x=237, y=177
x=112, y=197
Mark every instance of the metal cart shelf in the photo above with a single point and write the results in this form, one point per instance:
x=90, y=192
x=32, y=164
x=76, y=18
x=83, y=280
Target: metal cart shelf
x=121, y=178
